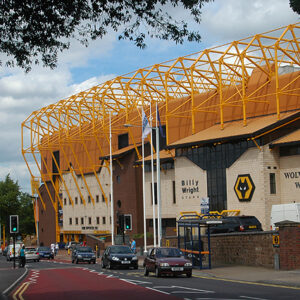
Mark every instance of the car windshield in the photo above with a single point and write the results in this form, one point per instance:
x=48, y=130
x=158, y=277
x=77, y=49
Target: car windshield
x=29, y=249
x=249, y=221
x=84, y=249
x=121, y=250
x=44, y=249
x=168, y=252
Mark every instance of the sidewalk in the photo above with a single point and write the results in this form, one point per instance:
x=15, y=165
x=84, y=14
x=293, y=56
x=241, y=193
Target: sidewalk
x=232, y=272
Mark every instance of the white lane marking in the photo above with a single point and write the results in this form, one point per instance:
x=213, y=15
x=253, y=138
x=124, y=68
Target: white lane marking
x=128, y=281
x=149, y=288
x=184, y=288
x=253, y=298
x=140, y=282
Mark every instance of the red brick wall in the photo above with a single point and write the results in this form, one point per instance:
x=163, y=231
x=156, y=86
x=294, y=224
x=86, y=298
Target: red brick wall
x=252, y=249
x=289, y=234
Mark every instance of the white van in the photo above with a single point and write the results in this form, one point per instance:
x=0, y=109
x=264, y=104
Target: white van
x=285, y=212
x=10, y=252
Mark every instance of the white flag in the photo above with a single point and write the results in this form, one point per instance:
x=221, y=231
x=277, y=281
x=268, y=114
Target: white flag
x=146, y=127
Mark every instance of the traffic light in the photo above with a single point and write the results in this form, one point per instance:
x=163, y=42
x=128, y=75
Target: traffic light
x=14, y=224
x=127, y=221
x=121, y=222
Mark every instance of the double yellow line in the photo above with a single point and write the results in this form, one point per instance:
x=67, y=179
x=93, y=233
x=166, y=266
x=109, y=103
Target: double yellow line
x=19, y=292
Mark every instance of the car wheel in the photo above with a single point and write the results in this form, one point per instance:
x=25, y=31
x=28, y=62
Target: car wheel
x=38, y=260
x=109, y=265
x=157, y=272
x=94, y=261
x=189, y=275
x=146, y=272
x=76, y=261
x=102, y=264
x=72, y=261
x=89, y=262
x=136, y=267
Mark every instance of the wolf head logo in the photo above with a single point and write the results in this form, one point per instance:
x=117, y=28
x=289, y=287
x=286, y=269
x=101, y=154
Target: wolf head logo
x=243, y=187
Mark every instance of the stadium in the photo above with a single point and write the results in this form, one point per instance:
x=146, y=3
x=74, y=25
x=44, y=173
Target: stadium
x=230, y=119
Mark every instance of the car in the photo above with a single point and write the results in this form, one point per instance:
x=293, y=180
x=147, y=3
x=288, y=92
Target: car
x=167, y=261
x=119, y=256
x=83, y=254
x=31, y=253
x=10, y=252
x=45, y=252
x=236, y=224
x=4, y=252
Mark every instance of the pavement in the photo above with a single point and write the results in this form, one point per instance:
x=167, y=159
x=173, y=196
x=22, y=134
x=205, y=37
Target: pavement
x=10, y=277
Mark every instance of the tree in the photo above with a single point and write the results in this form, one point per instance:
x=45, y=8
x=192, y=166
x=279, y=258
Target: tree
x=295, y=5
x=14, y=202
x=34, y=31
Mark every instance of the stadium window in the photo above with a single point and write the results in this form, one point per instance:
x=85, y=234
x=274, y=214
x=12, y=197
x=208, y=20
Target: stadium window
x=103, y=220
x=155, y=193
x=97, y=198
x=98, y=220
x=122, y=140
x=76, y=200
x=103, y=199
x=272, y=183
x=89, y=199
x=82, y=221
x=70, y=221
x=65, y=201
x=174, y=192
x=90, y=220
x=81, y=201
x=76, y=221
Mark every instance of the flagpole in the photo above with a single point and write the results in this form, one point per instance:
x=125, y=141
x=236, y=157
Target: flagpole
x=111, y=185
x=144, y=198
x=159, y=233
x=152, y=175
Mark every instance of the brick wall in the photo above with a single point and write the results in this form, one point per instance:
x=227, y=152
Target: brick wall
x=251, y=249
x=289, y=234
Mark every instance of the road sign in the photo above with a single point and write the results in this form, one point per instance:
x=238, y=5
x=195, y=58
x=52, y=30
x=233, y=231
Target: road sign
x=276, y=240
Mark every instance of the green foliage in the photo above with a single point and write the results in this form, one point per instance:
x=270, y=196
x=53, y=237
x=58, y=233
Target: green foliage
x=36, y=30
x=14, y=202
x=295, y=5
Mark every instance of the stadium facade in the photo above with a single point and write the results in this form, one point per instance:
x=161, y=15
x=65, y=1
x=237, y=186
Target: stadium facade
x=231, y=122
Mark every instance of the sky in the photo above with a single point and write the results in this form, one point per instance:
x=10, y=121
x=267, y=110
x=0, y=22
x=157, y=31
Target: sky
x=80, y=68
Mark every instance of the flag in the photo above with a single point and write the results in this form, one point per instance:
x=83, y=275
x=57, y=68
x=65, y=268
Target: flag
x=146, y=129
x=160, y=127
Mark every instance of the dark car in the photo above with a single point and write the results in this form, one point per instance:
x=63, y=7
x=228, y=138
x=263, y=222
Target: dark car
x=83, y=254
x=236, y=224
x=168, y=261
x=119, y=256
x=45, y=252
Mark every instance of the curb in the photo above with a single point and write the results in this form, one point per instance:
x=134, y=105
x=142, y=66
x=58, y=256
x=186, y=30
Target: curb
x=5, y=293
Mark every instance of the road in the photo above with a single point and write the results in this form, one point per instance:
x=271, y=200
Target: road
x=54, y=280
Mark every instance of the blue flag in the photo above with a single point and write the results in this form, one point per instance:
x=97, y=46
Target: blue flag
x=160, y=127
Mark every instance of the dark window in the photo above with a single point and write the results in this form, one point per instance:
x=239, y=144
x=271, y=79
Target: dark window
x=272, y=183
x=65, y=201
x=76, y=221
x=81, y=201
x=55, y=162
x=123, y=140
x=70, y=221
x=174, y=192
x=289, y=150
x=76, y=200
x=89, y=199
x=90, y=220
x=98, y=220
x=103, y=220
x=97, y=198
x=103, y=199
x=82, y=221
x=118, y=178
x=155, y=193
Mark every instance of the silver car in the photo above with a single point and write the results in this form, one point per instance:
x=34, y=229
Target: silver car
x=31, y=253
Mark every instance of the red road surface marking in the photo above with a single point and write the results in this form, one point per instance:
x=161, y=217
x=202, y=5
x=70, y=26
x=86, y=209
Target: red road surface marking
x=77, y=283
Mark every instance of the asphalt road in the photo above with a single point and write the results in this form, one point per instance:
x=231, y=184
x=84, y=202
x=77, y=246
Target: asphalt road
x=58, y=280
